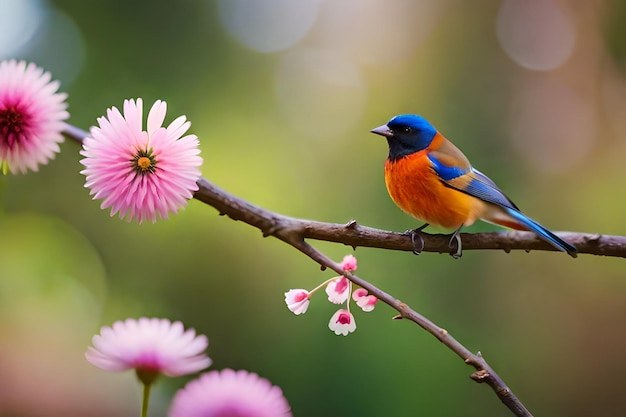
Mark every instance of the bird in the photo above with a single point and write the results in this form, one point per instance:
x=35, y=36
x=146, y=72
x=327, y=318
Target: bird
x=429, y=178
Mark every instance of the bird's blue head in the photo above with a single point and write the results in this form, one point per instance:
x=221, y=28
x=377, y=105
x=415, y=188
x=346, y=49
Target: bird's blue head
x=406, y=134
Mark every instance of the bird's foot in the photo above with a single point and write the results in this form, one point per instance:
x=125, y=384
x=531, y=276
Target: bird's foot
x=418, y=241
x=459, y=247
x=416, y=238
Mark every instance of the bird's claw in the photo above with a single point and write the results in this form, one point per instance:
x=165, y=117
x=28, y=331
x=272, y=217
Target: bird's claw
x=459, y=247
x=417, y=240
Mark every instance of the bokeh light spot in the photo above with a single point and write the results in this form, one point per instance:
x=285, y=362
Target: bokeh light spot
x=268, y=25
x=552, y=125
x=20, y=21
x=45, y=260
x=361, y=28
x=536, y=34
x=58, y=46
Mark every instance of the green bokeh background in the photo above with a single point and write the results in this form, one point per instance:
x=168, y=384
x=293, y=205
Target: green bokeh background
x=553, y=327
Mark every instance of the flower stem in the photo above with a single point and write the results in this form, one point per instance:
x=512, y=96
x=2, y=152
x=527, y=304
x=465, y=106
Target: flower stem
x=316, y=289
x=146, y=399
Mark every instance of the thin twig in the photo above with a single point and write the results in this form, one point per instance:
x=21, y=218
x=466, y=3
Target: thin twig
x=484, y=373
x=293, y=232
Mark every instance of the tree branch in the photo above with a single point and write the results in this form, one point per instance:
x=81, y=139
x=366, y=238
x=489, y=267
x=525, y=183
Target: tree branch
x=353, y=234
x=294, y=231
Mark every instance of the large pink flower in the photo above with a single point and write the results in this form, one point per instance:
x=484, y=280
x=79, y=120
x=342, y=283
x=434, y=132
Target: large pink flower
x=141, y=174
x=31, y=116
x=150, y=347
x=230, y=393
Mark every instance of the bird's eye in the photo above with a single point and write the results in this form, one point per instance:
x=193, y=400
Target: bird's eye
x=406, y=129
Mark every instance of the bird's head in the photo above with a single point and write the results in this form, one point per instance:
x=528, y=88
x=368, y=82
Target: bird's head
x=406, y=134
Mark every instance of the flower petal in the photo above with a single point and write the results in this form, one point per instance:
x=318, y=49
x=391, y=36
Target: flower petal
x=297, y=300
x=338, y=290
x=348, y=263
x=156, y=116
x=230, y=393
x=342, y=323
x=149, y=344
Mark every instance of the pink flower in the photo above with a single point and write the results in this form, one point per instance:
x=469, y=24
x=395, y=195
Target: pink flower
x=297, y=300
x=348, y=263
x=366, y=302
x=151, y=347
x=31, y=116
x=338, y=290
x=141, y=174
x=230, y=393
x=342, y=322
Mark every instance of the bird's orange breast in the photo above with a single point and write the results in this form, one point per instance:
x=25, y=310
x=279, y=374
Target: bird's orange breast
x=415, y=187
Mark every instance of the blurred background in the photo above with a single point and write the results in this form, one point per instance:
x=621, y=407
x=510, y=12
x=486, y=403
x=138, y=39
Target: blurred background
x=282, y=95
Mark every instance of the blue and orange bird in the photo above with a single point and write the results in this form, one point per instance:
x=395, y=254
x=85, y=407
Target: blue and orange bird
x=431, y=179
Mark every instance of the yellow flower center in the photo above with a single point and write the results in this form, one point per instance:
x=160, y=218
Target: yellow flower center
x=144, y=162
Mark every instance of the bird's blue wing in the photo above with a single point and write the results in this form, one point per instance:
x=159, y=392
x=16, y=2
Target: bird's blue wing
x=483, y=187
x=470, y=181
x=473, y=182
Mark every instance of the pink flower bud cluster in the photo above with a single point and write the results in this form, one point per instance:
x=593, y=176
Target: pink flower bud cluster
x=338, y=290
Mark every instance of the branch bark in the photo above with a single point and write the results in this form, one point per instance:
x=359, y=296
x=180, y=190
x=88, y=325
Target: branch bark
x=353, y=234
x=294, y=232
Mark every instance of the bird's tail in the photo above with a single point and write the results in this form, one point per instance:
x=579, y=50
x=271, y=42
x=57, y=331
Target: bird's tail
x=521, y=222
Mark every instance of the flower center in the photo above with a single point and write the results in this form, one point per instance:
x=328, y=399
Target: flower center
x=147, y=375
x=143, y=162
x=344, y=318
x=12, y=124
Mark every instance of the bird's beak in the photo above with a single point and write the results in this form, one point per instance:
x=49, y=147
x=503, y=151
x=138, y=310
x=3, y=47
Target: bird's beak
x=382, y=131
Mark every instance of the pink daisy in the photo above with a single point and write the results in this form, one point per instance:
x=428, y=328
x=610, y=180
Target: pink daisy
x=141, y=174
x=151, y=347
x=230, y=393
x=31, y=116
